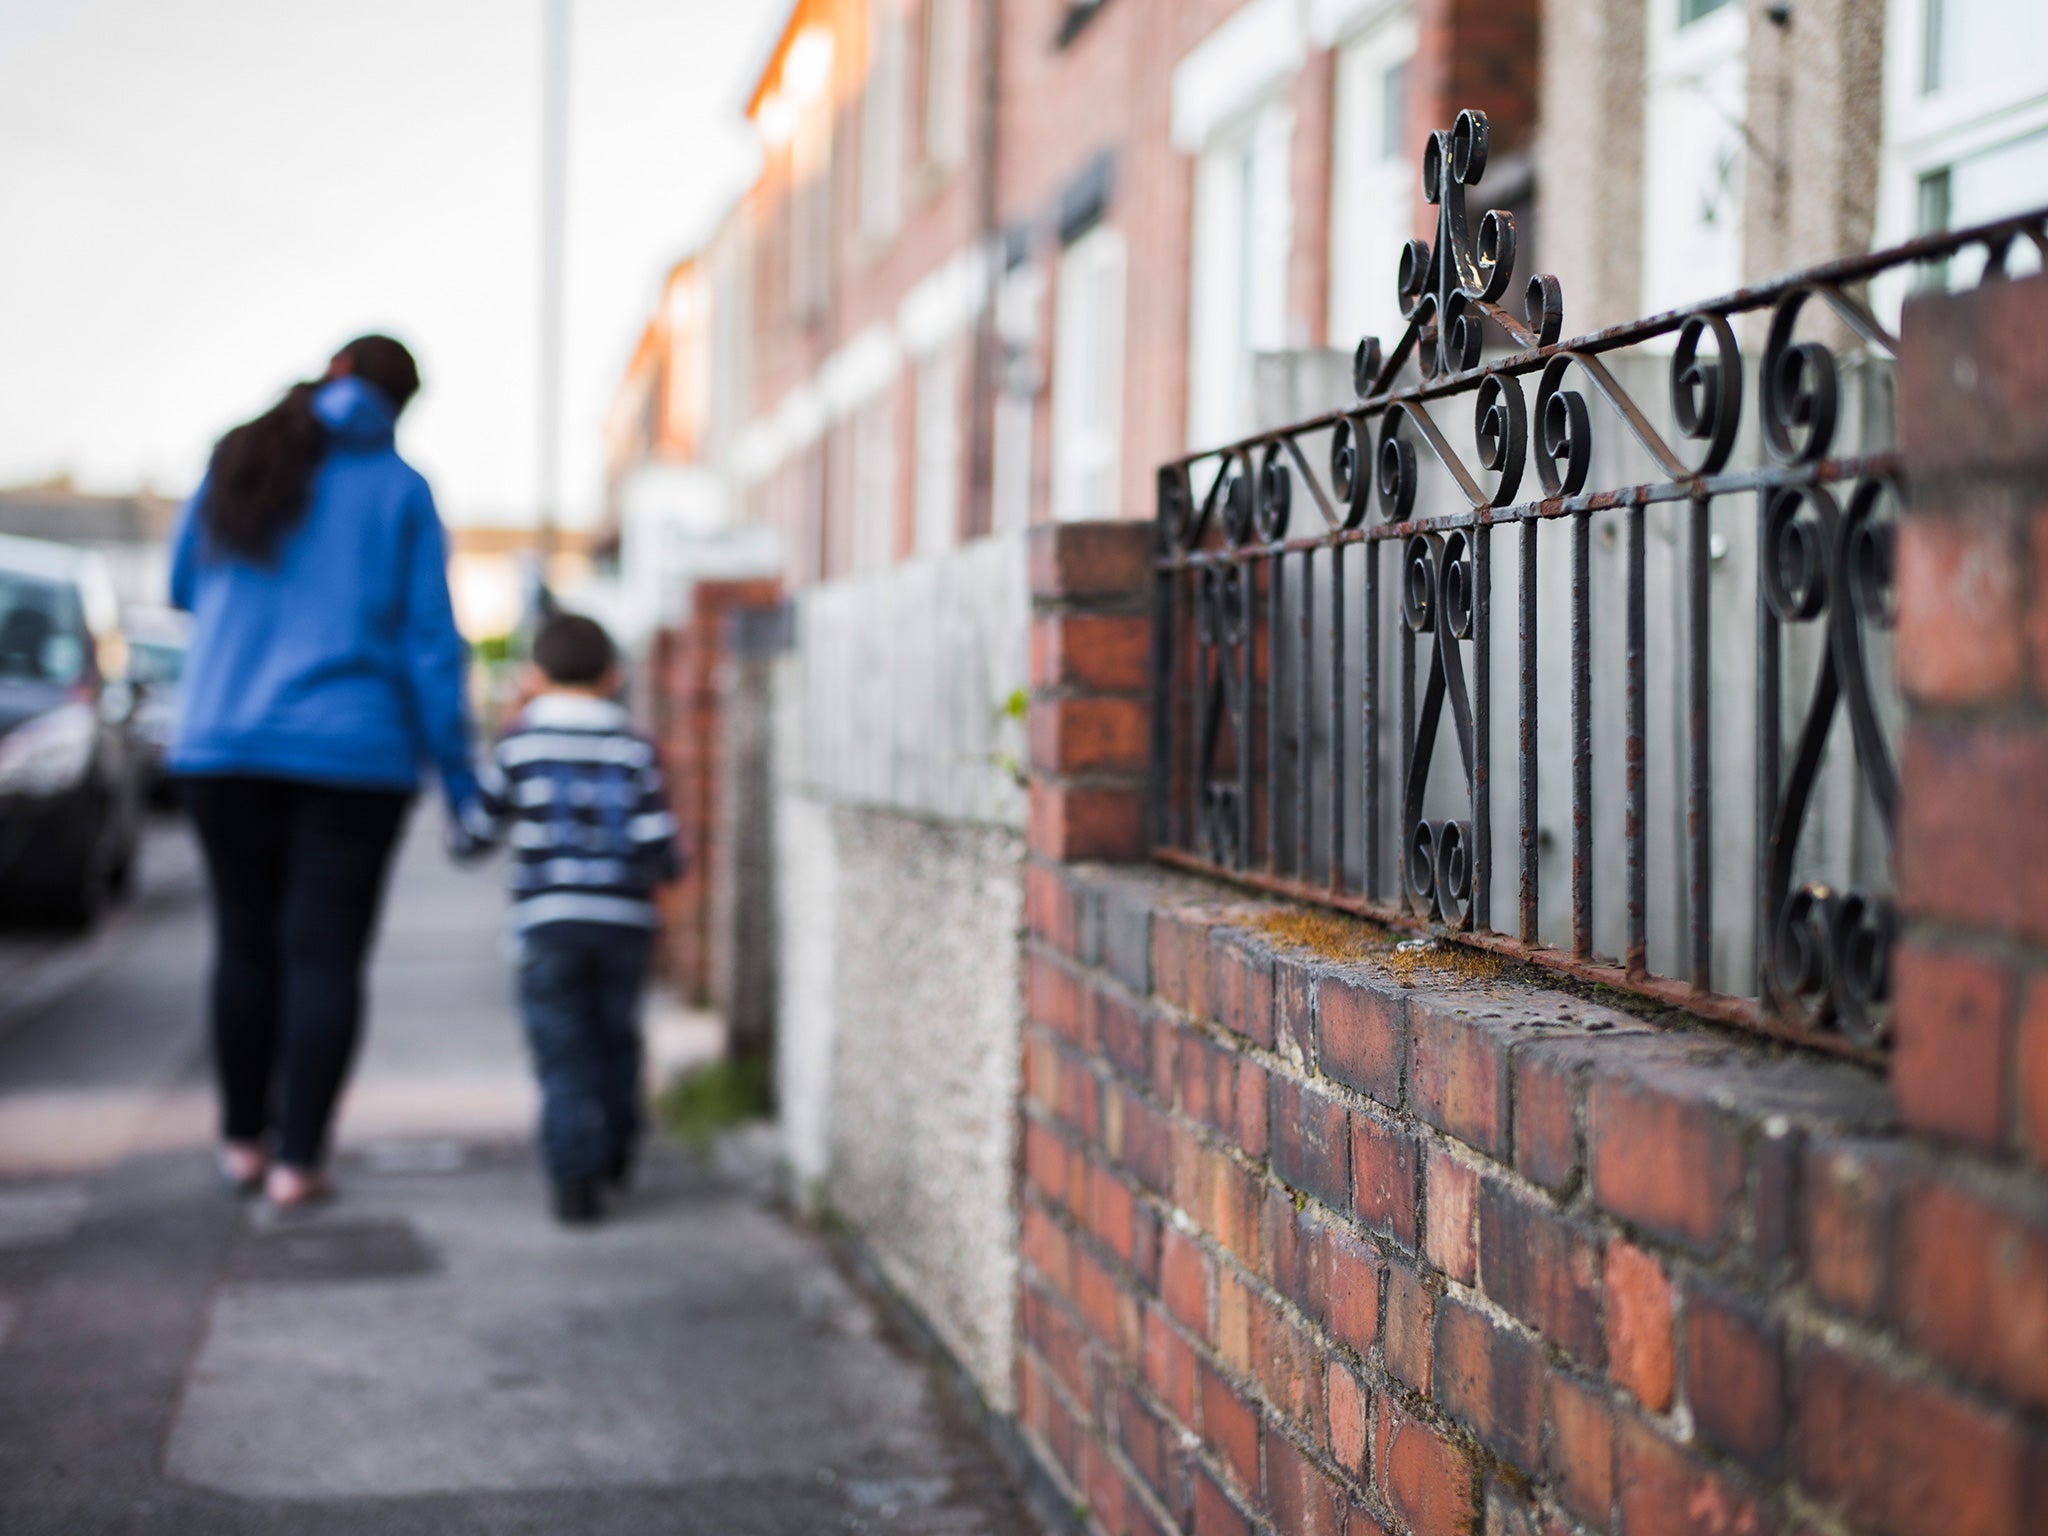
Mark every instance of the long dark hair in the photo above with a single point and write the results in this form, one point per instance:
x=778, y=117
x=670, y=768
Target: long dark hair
x=262, y=471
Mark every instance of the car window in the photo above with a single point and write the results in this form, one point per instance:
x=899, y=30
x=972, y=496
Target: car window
x=154, y=663
x=42, y=630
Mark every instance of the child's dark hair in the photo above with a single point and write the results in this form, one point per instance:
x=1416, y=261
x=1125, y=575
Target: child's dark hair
x=572, y=650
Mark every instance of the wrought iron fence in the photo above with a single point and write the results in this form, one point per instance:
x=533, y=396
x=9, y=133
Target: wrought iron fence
x=1275, y=761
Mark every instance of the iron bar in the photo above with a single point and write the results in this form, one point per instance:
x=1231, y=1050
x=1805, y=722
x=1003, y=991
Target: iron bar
x=1482, y=727
x=1301, y=718
x=1635, y=816
x=1369, y=724
x=1699, y=809
x=1582, y=736
x=1527, y=760
x=1271, y=693
x=1336, y=765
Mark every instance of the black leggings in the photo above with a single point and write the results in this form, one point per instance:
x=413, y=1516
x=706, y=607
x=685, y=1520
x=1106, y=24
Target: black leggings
x=298, y=875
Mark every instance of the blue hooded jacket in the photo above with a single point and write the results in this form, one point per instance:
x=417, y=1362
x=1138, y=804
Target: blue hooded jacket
x=339, y=662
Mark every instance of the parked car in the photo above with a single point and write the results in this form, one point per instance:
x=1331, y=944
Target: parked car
x=69, y=786
x=156, y=642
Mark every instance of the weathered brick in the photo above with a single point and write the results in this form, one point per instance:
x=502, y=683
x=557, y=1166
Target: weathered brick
x=1180, y=957
x=1458, y=1073
x=1286, y=1365
x=1139, y=1138
x=1049, y=907
x=1294, y=1020
x=1124, y=1031
x=1849, y=1196
x=1288, y=1240
x=1640, y=1351
x=1109, y=1310
x=1234, y=1321
x=1082, y=735
x=1362, y=1035
x=1311, y=1145
x=1411, y=1326
x=1127, y=934
x=1665, y=1160
x=1452, y=1194
x=1241, y=984
x=1581, y=1452
x=1057, y=1339
x=1347, y=1408
x=1221, y=1196
x=1216, y=1512
x=1735, y=1378
x=1186, y=1276
x=1904, y=1458
x=1253, y=1132
x=1383, y=1177
x=1207, y=1076
x=1971, y=388
x=1347, y=1275
x=1952, y=1019
x=1547, y=1118
x=1052, y=997
x=1302, y=1500
x=1959, y=606
x=1052, y=1167
x=1230, y=1426
x=1107, y=652
x=1104, y=560
x=1112, y=1213
x=1665, y=1492
x=1426, y=1478
x=1542, y=1268
x=1492, y=1381
x=1775, y=1165
x=1047, y=1249
x=1973, y=1288
x=1956, y=862
x=2031, y=1056
x=1170, y=1367
x=1069, y=822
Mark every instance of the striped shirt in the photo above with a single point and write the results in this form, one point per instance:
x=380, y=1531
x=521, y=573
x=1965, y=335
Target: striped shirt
x=578, y=796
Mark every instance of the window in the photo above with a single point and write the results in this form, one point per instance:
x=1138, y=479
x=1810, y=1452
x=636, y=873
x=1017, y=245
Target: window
x=1243, y=224
x=881, y=123
x=1693, y=151
x=1966, y=118
x=1088, y=376
x=810, y=208
x=1373, y=181
x=938, y=450
x=874, y=484
x=1018, y=300
x=946, y=68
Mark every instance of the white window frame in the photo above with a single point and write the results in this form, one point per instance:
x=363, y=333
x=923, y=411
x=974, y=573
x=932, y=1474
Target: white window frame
x=937, y=451
x=1243, y=241
x=1693, y=149
x=1369, y=190
x=1088, y=376
x=874, y=483
x=882, y=121
x=946, y=70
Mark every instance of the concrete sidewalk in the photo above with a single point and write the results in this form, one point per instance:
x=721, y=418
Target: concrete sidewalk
x=430, y=1353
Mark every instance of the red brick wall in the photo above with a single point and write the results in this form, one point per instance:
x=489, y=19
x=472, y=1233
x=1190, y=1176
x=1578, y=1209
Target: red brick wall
x=687, y=663
x=1319, y=1235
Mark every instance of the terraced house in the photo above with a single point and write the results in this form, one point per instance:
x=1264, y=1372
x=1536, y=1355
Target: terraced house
x=1395, y=785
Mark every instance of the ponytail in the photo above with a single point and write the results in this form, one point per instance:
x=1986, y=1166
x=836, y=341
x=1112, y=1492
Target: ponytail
x=262, y=476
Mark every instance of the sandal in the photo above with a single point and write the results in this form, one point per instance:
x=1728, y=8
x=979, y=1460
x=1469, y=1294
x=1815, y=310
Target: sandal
x=293, y=1189
x=240, y=1166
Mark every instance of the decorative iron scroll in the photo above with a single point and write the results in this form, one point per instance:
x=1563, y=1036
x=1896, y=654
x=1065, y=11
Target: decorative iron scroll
x=1225, y=802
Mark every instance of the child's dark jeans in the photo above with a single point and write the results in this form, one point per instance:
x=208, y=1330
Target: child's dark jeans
x=579, y=993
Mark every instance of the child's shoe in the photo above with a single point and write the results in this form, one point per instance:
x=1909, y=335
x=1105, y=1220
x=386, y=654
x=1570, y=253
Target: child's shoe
x=578, y=1203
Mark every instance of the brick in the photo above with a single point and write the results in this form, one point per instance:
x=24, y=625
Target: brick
x=1581, y=1449
x=1311, y=1143
x=1206, y=1077
x=1904, y=1458
x=1108, y=652
x=1241, y=985
x=1109, y=1310
x=1046, y=1249
x=1955, y=861
x=1057, y=1340
x=1426, y=1478
x=1849, y=1197
x=1124, y=1031
x=1081, y=735
x=1952, y=1024
x=1180, y=957
x=1285, y=1365
x=1253, y=1128
x=1234, y=1321
x=1973, y=1288
x=1216, y=1513
x=1411, y=1326
x=1186, y=1275
x=1052, y=997
x=1071, y=822
x=1348, y=1289
x=1665, y=1492
x=1640, y=1351
x=1302, y=1500
x=1112, y=1213
x=1971, y=391
x=1052, y=1167
x=1735, y=1378
x=1142, y=1437
x=1452, y=1193
x=1775, y=1164
x=2037, y=611
x=1294, y=1010
x=1362, y=1035
x=1221, y=1196
x=1347, y=1408
x=1127, y=935
x=1542, y=1268
x=1458, y=1074
x=1170, y=1367
x=1383, y=1178
x=1139, y=1138
x=1959, y=638
x=1668, y=1162
x=1049, y=907
x=2031, y=1053
x=1092, y=560
x=1546, y=1120
x=1491, y=1380
x=1230, y=1427
x=1289, y=1241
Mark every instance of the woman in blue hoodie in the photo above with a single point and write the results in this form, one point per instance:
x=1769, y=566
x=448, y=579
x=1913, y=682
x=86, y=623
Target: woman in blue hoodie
x=325, y=669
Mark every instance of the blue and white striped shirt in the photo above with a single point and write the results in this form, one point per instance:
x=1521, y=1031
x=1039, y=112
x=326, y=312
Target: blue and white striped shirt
x=578, y=795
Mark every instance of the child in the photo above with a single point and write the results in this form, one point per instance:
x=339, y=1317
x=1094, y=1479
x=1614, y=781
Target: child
x=579, y=796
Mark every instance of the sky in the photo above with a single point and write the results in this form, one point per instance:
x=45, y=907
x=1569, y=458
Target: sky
x=201, y=199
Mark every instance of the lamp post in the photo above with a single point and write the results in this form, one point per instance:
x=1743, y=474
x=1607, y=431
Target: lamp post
x=554, y=195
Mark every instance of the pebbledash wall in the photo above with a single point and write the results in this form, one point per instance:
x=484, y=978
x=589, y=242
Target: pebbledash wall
x=1319, y=1234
